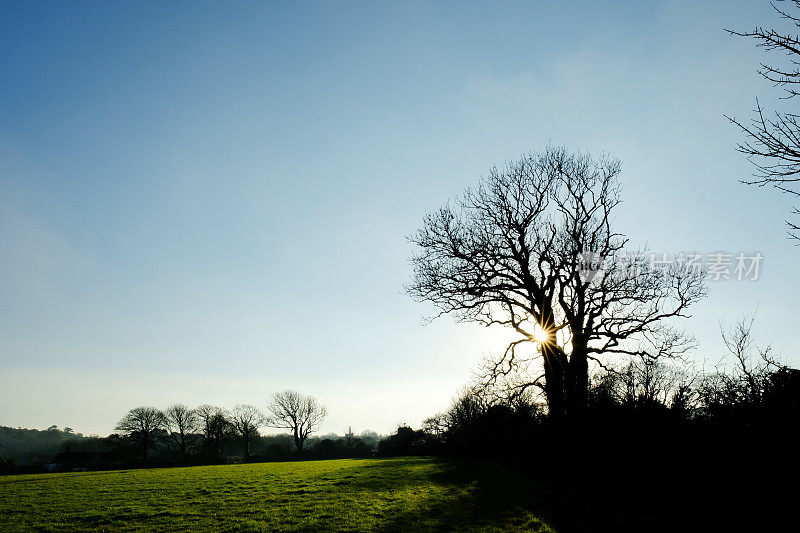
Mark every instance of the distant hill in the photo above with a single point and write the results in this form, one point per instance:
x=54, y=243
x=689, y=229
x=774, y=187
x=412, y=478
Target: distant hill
x=33, y=446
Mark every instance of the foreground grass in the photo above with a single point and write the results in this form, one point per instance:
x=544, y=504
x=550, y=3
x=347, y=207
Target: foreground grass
x=408, y=494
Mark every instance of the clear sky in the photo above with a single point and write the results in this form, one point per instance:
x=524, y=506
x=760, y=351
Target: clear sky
x=208, y=203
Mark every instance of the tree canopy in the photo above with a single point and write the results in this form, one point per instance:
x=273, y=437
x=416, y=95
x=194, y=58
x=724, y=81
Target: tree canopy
x=514, y=250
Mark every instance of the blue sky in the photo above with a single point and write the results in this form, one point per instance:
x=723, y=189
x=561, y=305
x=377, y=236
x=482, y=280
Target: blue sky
x=209, y=203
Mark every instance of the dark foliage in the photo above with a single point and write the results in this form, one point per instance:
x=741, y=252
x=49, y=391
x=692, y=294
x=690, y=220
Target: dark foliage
x=407, y=441
x=26, y=447
x=680, y=450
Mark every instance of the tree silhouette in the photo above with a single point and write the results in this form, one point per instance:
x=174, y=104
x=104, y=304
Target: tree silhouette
x=143, y=425
x=181, y=422
x=513, y=252
x=773, y=144
x=246, y=420
x=300, y=413
x=216, y=427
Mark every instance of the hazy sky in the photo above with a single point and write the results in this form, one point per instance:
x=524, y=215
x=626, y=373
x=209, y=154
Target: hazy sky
x=209, y=203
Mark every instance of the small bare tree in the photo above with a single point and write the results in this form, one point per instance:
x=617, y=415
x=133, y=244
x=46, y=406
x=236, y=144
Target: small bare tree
x=300, y=413
x=753, y=370
x=725, y=393
x=649, y=381
x=143, y=425
x=181, y=423
x=773, y=144
x=246, y=420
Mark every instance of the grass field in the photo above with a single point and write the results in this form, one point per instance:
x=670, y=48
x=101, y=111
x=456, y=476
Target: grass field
x=408, y=494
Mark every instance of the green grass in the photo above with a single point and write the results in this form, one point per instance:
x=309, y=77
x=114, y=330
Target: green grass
x=408, y=494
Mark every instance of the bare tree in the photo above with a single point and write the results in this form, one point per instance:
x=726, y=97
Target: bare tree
x=436, y=425
x=773, y=144
x=722, y=392
x=752, y=370
x=463, y=415
x=300, y=413
x=465, y=409
x=246, y=420
x=216, y=427
x=143, y=425
x=181, y=422
x=653, y=382
x=513, y=252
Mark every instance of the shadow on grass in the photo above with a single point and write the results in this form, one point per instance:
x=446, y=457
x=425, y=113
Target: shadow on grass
x=455, y=495
x=490, y=496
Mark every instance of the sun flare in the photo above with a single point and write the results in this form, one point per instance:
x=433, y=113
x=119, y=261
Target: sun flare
x=539, y=334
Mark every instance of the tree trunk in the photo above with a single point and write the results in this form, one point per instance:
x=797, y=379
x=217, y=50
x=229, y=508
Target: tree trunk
x=298, y=442
x=183, y=448
x=578, y=378
x=554, y=366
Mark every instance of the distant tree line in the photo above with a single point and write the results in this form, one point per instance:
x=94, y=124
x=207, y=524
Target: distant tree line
x=209, y=433
x=179, y=435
